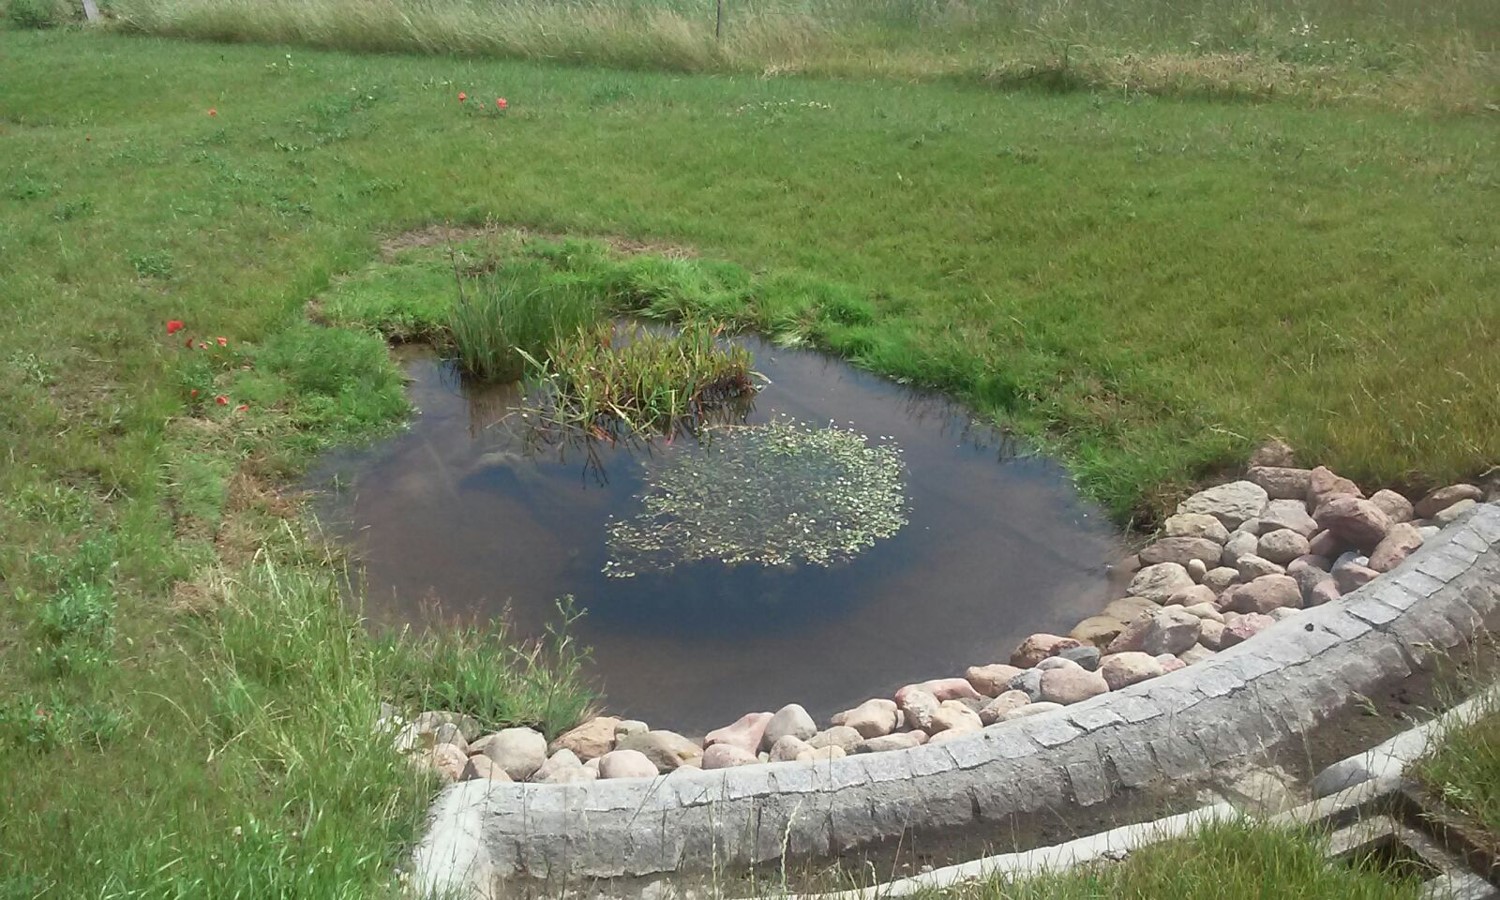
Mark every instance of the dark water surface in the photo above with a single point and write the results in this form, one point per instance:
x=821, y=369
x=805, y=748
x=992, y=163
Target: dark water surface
x=457, y=512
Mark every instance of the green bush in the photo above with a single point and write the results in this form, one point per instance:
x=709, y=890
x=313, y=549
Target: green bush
x=35, y=13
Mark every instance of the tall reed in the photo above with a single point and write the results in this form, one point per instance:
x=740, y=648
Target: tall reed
x=502, y=319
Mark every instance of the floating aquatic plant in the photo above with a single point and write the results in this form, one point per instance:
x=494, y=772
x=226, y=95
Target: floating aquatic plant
x=777, y=494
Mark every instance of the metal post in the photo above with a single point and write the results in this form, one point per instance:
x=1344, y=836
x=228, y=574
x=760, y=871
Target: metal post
x=91, y=10
x=718, y=21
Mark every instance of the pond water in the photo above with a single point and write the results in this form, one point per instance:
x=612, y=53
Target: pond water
x=464, y=514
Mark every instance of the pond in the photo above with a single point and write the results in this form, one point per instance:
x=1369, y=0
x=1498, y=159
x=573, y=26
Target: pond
x=466, y=513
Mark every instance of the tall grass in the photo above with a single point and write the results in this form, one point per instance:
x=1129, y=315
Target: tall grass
x=1405, y=52
x=507, y=317
x=1464, y=770
x=614, y=381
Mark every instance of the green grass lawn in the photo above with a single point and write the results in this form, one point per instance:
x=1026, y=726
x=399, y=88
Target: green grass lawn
x=1145, y=286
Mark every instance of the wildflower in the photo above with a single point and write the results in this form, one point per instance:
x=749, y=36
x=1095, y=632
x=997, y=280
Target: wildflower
x=222, y=400
x=500, y=104
x=174, y=326
x=188, y=343
x=223, y=341
x=193, y=392
x=242, y=407
x=462, y=96
x=213, y=113
x=203, y=345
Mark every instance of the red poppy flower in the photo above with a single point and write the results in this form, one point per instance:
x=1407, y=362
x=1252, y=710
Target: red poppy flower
x=223, y=341
x=500, y=104
x=188, y=343
x=174, y=326
x=462, y=96
x=242, y=407
x=222, y=400
x=193, y=392
x=212, y=111
x=203, y=345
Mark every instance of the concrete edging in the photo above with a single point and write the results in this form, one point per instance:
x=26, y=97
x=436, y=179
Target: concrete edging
x=1281, y=683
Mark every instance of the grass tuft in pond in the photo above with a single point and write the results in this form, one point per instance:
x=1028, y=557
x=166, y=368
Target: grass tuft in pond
x=610, y=381
x=510, y=316
x=775, y=494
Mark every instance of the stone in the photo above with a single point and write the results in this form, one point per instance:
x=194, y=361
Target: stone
x=593, y=765
x=1428, y=532
x=1030, y=709
x=1056, y=662
x=1282, y=613
x=481, y=767
x=630, y=726
x=792, y=720
x=1096, y=630
x=1230, y=503
x=990, y=681
x=820, y=754
x=1120, y=670
x=1281, y=546
x=1274, y=452
x=1246, y=627
x=1352, y=576
x=1182, y=550
x=1196, y=569
x=667, y=750
x=1351, y=557
x=1442, y=498
x=1211, y=634
x=1289, y=514
x=518, y=751
x=1400, y=542
x=1322, y=592
x=1325, y=544
x=1323, y=483
x=919, y=707
x=1196, y=525
x=1309, y=561
x=904, y=740
x=1252, y=567
x=1071, y=685
x=954, y=715
x=1170, y=663
x=1195, y=654
x=1264, y=594
x=1087, y=658
x=1241, y=543
x=432, y=720
x=627, y=763
x=1205, y=611
x=996, y=709
x=872, y=718
x=727, y=756
x=1157, y=583
x=943, y=689
x=1308, y=578
x=1249, y=526
x=746, y=733
x=1396, y=507
x=1220, y=579
x=1448, y=515
x=1128, y=609
x=590, y=740
x=787, y=747
x=1038, y=647
x=1028, y=682
x=1281, y=482
x=448, y=760
x=1352, y=520
x=841, y=736
x=563, y=767
x=1193, y=596
x=1171, y=631
x=451, y=733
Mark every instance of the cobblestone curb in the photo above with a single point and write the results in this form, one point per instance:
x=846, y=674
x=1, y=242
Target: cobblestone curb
x=1279, y=684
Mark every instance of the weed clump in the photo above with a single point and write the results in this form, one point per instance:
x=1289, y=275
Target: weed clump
x=513, y=317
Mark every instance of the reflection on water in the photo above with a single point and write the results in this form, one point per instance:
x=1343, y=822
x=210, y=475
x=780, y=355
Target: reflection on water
x=478, y=511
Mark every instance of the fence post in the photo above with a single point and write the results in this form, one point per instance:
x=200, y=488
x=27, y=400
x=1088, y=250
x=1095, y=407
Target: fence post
x=718, y=21
x=90, y=10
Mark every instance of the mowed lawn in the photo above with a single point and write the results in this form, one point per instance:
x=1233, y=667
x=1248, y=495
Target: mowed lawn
x=1147, y=287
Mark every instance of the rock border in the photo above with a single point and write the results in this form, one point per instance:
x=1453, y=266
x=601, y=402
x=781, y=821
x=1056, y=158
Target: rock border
x=1283, y=682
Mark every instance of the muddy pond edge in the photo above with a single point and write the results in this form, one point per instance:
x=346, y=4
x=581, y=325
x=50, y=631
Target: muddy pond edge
x=1279, y=684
